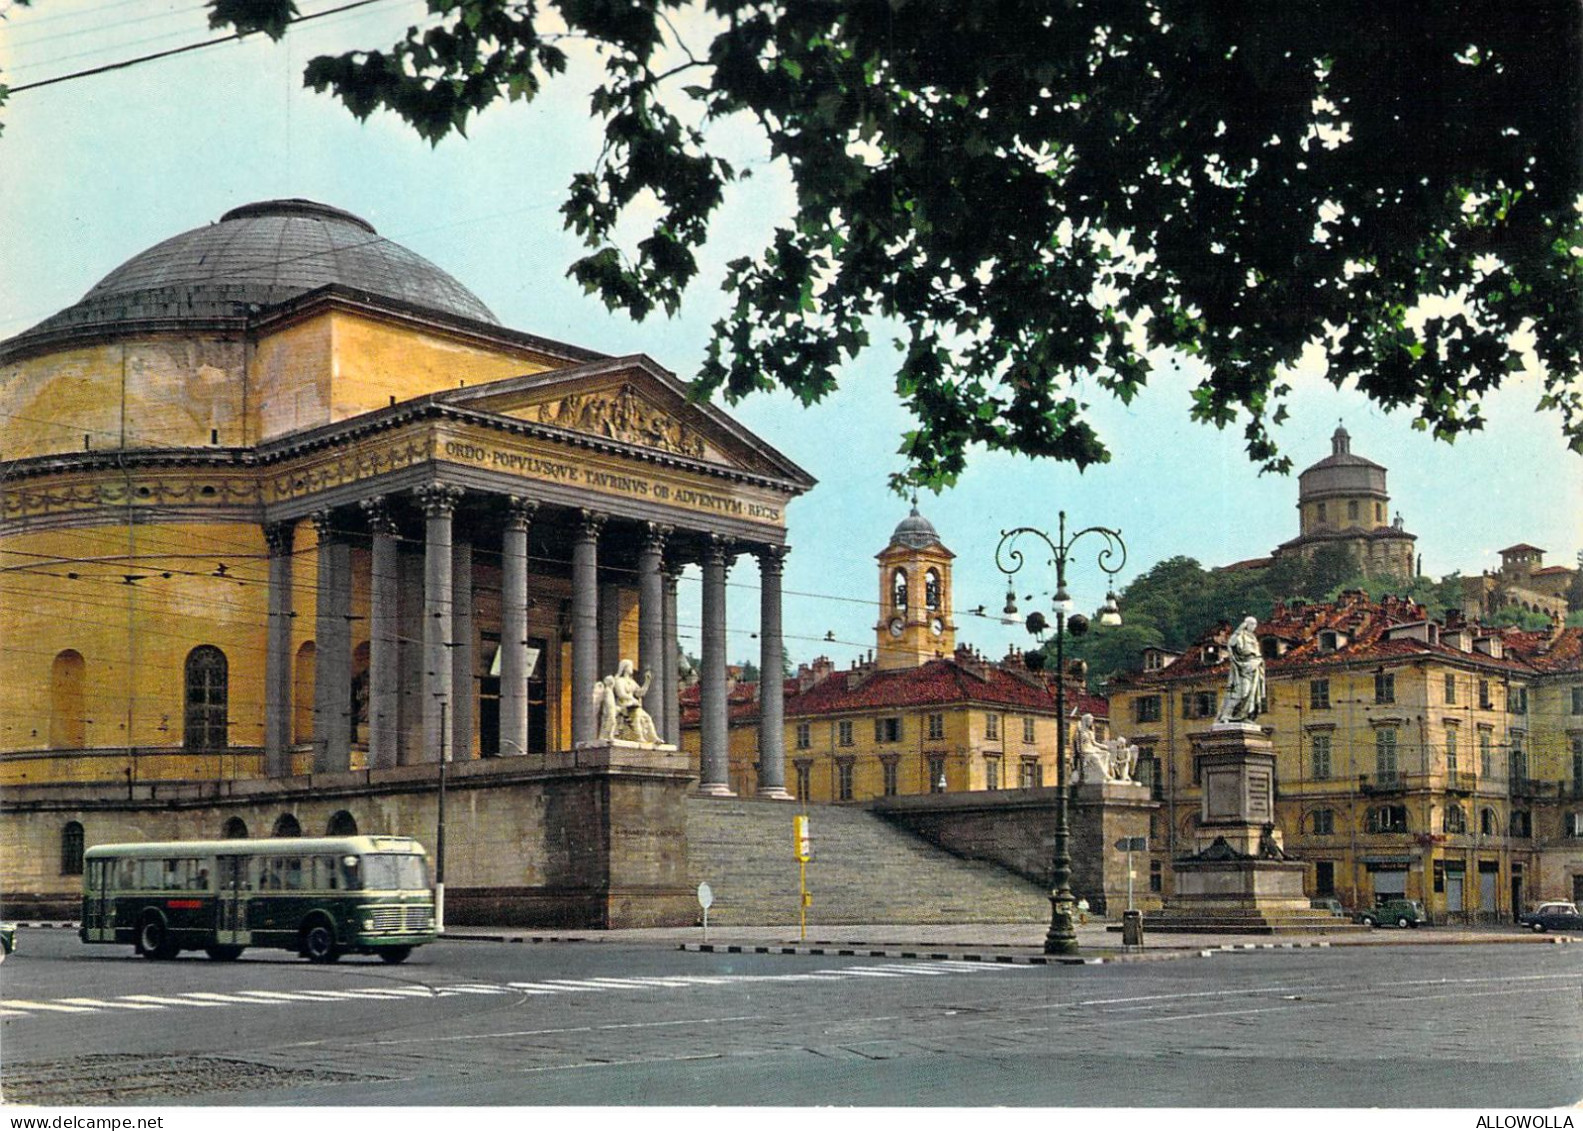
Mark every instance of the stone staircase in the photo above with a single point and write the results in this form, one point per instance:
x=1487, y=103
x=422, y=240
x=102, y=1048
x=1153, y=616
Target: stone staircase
x=864, y=870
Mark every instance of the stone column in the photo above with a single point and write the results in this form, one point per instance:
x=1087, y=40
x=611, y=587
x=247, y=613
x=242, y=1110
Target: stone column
x=585, y=624
x=439, y=506
x=514, y=627
x=384, y=681
x=651, y=620
x=464, y=659
x=609, y=627
x=332, y=684
x=670, y=704
x=772, y=687
x=278, y=655
x=714, y=722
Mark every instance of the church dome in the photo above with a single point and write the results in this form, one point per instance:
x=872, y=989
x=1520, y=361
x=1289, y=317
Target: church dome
x=256, y=256
x=915, y=531
x=1341, y=472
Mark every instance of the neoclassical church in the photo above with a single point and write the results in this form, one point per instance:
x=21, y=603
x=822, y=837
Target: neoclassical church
x=280, y=499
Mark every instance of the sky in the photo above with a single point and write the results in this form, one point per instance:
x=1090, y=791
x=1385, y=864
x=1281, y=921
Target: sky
x=96, y=169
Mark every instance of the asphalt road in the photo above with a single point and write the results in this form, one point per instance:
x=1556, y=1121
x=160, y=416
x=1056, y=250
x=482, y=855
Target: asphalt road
x=483, y=1023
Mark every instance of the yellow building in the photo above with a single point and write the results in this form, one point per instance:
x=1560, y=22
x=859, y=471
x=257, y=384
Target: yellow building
x=922, y=714
x=280, y=496
x=1439, y=761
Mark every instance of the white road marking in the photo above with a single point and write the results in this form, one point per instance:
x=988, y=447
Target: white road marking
x=157, y=1000
x=99, y=1003
x=227, y=999
x=49, y=1007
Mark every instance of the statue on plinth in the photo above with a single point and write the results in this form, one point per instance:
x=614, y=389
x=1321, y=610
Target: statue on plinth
x=1093, y=760
x=618, y=703
x=1245, y=690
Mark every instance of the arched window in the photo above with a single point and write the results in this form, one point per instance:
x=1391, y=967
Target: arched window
x=207, y=694
x=931, y=590
x=286, y=825
x=1322, y=822
x=302, y=694
x=234, y=829
x=341, y=823
x=68, y=725
x=1487, y=822
x=71, y=849
x=1455, y=820
x=898, y=590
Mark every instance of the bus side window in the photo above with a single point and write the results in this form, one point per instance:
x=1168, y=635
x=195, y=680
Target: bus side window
x=150, y=875
x=293, y=877
x=326, y=876
x=349, y=873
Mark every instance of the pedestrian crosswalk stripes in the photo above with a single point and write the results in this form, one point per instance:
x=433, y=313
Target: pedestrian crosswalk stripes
x=200, y=999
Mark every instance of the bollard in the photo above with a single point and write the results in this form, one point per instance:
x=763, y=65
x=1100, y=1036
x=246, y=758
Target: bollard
x=1132, y=928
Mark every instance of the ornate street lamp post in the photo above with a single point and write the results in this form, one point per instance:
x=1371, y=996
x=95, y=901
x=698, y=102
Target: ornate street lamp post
x=1062, y=936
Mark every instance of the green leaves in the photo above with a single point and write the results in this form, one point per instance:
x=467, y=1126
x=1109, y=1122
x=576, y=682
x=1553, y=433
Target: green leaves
x=1064, y=190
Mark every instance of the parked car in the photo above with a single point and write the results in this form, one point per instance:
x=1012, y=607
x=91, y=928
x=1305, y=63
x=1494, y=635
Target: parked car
x=1334, y=906
x=7, y=938
x=1556, y=915
x=1401, y=912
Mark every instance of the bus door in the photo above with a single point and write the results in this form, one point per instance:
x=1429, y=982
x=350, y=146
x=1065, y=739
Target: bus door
x=98, y=905
x=235, y=887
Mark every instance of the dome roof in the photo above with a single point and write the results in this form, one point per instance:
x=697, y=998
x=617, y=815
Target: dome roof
x=258, y=255
x=1341, y=472
x=915, y=531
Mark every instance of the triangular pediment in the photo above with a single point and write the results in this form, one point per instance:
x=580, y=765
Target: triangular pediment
x=629, y=401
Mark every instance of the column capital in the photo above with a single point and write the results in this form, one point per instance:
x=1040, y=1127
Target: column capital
x=655, y=535
x=720, y=550
x=591, y=523
x=772, y=558
x=377, y=510
x=279, y=536
x=439, y=500
x=323, y=524
x=520, y=512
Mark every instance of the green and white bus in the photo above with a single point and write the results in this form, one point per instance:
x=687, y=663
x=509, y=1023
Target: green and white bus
x=322, y=897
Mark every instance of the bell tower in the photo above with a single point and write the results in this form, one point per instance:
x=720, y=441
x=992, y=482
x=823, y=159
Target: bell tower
x=915, y=624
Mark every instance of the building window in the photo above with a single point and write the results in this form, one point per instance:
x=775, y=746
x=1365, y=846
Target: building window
x=1486, y=754
x=1455, y=820
x=843, y=731
x=1147, y=772
x=1156, y=877
x=931, y=590
x=1385, y=754
x=286, y=825
x=1577, y=765
x=206, y=699
x=991, y=773
x=234, y=829
x=1323, y=822
x=1574, y=826
x=1324, y=877
x=1520, y=700
x=992, y=726
x=804, y=736
x=1319, y=694
x=1521, y=823
x=1386, y=819
x=1385, y=687
x=71, y=842
x=888, y=765
x=936, y=727
x=1379, y=512
x=1451, y=689
x=1146, y=708
x=898, y=590
x=341, y=823
x=1352, y=509
x=1198, y=705
x=843, y=780
x=1485, y=702
x=1451, y=755
x=887, y=730
x=1487, y=822
x=937, y=773
x=68, y=722
x=1321, y=756
x=1030, y=775
x=1027, y=730
x=1321, y=512
x=1577, y=700
x=804, y=780
x=1516, y=765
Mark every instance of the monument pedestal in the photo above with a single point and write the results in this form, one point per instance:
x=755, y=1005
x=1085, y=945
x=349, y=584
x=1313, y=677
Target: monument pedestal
x=1238, y=880
x=1103, y=813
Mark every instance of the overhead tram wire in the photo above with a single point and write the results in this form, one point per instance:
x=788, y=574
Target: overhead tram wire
x=149, y=58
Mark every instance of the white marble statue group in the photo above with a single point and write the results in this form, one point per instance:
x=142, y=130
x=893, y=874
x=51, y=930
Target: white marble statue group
x=618, y=705
x=1115, y=760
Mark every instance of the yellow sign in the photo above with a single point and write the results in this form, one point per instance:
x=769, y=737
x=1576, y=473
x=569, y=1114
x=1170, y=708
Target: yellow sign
x=804, y=850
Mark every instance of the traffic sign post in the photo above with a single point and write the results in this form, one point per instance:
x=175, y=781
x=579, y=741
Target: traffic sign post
x=1132, y=919
x=803, y=850
x=706, y=896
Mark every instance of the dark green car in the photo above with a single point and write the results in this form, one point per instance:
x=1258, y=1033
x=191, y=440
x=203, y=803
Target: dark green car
x=1397, y=912
x=7, y=938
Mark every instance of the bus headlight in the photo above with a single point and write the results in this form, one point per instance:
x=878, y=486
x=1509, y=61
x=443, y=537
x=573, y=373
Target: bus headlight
x=368, y=924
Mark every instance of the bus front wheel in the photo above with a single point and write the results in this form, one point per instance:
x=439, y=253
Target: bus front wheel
x=153, y=939
x=318, y=943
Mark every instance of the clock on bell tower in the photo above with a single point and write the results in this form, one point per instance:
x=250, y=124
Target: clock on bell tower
x=915, y=623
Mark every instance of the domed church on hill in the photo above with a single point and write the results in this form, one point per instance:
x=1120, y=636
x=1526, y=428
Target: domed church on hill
x=280, y=498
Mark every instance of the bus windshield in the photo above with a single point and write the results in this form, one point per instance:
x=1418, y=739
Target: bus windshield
x=389, y=871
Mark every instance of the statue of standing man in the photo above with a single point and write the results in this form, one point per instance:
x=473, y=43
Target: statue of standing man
x=1245, y=680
